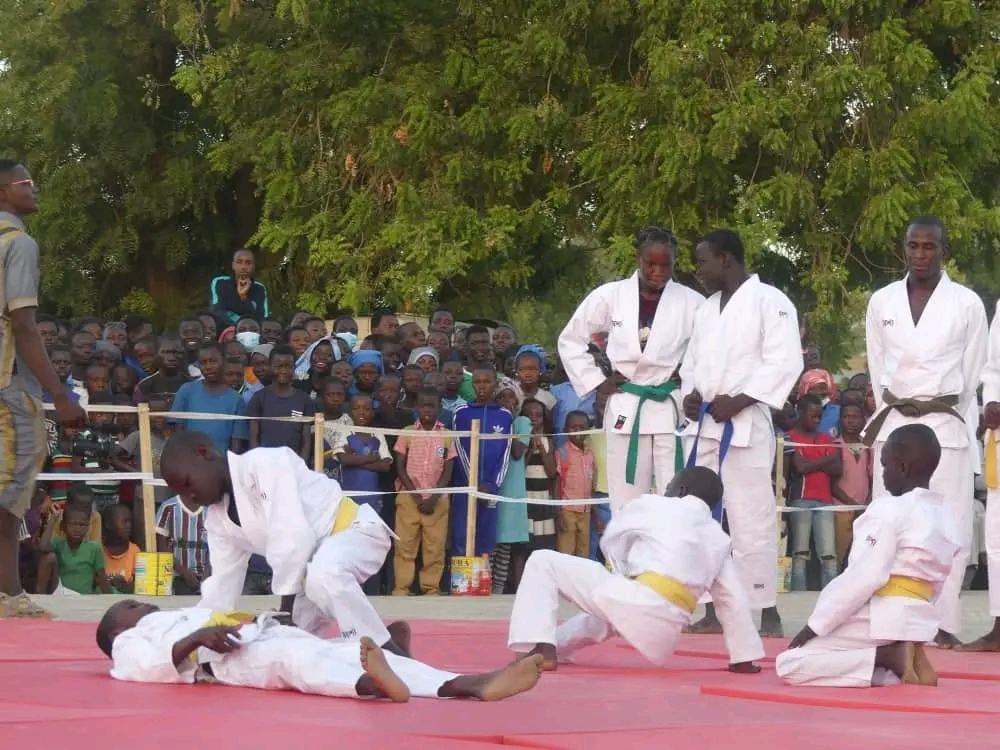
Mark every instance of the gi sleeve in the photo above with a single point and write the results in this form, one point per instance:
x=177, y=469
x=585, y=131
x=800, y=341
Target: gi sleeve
x=991, y=372
x=874, y=350
x=291, y=540
x=592, y=316
x=872, y=556
x=781, y=353
x=140, y=657
x=977, y=344
x=222, y=589
x=732, y=606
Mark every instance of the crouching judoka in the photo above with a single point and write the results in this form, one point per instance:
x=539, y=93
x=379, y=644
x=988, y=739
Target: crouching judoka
x=199, y=645
x=665, y=553
x=320, y=544
x=870, y=623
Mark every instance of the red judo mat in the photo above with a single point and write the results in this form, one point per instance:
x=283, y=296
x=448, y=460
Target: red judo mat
x=55, y=690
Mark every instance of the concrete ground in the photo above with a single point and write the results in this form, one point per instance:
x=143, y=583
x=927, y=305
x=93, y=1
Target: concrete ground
x=794, y=608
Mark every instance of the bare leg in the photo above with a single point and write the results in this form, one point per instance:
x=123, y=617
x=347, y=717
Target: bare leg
x=989, y=642
x=379, y=680
x=898, y=658
x=548, y=653
x=923, y=667
x=48, y=573
x=519, y=677
x=10, y=579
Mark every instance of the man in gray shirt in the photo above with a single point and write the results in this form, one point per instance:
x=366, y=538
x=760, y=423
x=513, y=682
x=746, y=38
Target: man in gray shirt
x=25, y=370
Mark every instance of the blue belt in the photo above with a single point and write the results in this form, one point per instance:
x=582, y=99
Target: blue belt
x=727, y=439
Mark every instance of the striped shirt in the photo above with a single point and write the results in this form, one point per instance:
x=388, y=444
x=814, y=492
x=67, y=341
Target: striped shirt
x=425, y=455
x=186, y=533
x=576, y=474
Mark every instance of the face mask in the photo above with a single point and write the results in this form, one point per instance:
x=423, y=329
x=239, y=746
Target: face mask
x=249, y=339
x=348, y=338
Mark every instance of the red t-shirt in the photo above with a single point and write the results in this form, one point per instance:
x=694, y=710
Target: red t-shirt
x=816, y=485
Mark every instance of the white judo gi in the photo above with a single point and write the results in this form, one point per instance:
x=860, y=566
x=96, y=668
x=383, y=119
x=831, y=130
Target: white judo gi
x=614, y=308
x=943, y=355
x=911, y=537
x=991, y=393
x=272, y=657
x=671, y=537
x=287, y=514
x=752, y=347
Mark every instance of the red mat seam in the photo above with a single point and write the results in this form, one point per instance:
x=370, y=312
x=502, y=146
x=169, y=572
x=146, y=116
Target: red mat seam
x=825, y=702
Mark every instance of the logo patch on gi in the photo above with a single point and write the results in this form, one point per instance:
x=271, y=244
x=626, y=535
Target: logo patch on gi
x=616, y=324
x=782, y=314
x=888, y=323
x=758, y=587
x=620, y=422
x=872, y=541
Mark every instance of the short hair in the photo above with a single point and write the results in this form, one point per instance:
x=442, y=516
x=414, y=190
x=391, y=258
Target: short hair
x=426, y=392
x=251, y=318
x=725, y=242
x=919, y=444
x=206, y=346
x=269, y=319
x=168, y=338
x=77, y=507
x=134, y=323
x=928, y=221
x=81, y=322
x=80, y=491
x=388, y=376
x=282, y=350
x=485, y=367
x=97, y=366
x=105, y=629
x=577, y=414
x=181, y=446
x=7, y=166
x=380, y=313
x=246, y=250
x=329, y=380
x=476, y=330
x=809, y=400
x=190, y=319
x=413, y=368
x=311, y=319
x=81, y=332
x=59, y=348
x=292, y=329
x=151, y=341
x=361, y=394
x=101, y=398
x=654, y=236
x=852, y=397
x=45, y=318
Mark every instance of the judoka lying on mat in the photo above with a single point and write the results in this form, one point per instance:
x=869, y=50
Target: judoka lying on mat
x=665, y=552
x=870, y=623
x=193, y=644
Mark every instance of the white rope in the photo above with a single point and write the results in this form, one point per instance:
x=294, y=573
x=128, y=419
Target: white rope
x=125, y=476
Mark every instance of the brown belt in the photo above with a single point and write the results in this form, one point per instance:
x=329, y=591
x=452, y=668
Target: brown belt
x=910, y=407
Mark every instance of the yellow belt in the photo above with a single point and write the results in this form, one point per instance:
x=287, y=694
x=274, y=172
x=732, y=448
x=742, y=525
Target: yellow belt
x=347, y=511
x=229, y=619
x=669, y=588
x=911, y=588
x=990, y=454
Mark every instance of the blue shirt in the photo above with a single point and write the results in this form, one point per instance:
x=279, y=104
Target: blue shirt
x=195, y=397
x=356, y=478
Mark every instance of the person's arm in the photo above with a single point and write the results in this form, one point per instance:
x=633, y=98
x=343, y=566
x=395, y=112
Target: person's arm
x=45, y=542
x=781, y=354
x=592, y=316
x=241, y=430
x=100, y=577
x=382, y=462
x=546, y=450
x=444, y=480
x=266, y=306
x=255, y=409
x=222, y=639
x=306, y=435
x=402, y=449
x=181, y=403
x=977, y=344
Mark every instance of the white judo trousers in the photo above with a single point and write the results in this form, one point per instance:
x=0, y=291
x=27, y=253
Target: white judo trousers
x=844, y=658
x=334, y=576
x=288, y=658
x=654, y=468
x=992, y=527
x=750, y=507
x=612, y=604
x=954, y=480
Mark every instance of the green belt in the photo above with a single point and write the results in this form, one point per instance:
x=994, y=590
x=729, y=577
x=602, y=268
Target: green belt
x=659, y=394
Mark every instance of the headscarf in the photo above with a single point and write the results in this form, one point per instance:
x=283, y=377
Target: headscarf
x=538, y=352
x=508, y=384
x=304, y=362
x=813, y=377
x=424, y=351
x=227, y=335
x=367, y=357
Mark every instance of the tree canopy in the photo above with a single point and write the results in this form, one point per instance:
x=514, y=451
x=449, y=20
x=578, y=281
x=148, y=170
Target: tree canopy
x=496, y=157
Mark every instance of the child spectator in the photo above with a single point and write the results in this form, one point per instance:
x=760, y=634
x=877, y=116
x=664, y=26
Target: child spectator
x=411, y=337
x=367, y=365
x=260, y=364
x=440, y=342
x=124, y=381
x=83, y=344
x=854, y=485
x=529, y=366
x=413, y=381
x=281, y=399
x=424, y=358
x=106, y=354
x=182, y=533
x=577, y=480
x=62, y=363
x=494, y=455
x=211, y=395
x=343, y=372
x=72, y=561
x=98, y=380
x=423, y=462
x=362, y=455
x=819, y=383
x=435, y=379
x=315, y=327
x=170, y=376
x=321, y=359
x=193, y=333
x=816, y=461
x=79, y=494
x=599, y=514
x=454, y=375
x=119, y=549
x=298, y=338
x=392, y=354
x=511, y=552
x=334, y=398
x=540, y=471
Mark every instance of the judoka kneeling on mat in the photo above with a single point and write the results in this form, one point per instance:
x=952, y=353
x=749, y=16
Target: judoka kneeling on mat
x=665, y=552
x=870, y=623
x=199, y=645
x=320, y=544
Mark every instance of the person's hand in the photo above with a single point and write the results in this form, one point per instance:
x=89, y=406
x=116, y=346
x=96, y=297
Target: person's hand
x=560, y=523
x=191, y=580
x=222, y=639
x=692, y=405
x=805, y=635
x=69, y=412
x=725, y=408
x=991, y=415
x=427, y=504
x=744, y=667
x=117, y=581
x=612, y=384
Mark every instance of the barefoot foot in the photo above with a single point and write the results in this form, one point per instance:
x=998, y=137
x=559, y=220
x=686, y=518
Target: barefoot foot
x=387, y=683
x=707, y=625
x=898, y=658
x=744, y=667
x=988, y=643
x=516, y=678
x=547, y=651
x=946, y=640
x=770, y=624
x=399, y=632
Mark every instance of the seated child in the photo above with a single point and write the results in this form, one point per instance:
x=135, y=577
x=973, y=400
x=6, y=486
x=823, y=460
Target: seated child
x=182, y=533
x=119, y=549
x=78, y=492
x=73, y=562
x=188, y=645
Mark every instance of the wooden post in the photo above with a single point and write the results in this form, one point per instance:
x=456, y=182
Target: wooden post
x=148, y=491
x=318, y=442
x=470, y=521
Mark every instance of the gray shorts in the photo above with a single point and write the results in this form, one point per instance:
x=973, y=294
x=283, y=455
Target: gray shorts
x=23, y=448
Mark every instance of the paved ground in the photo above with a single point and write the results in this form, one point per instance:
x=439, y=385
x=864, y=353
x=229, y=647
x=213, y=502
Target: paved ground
x=795, y=608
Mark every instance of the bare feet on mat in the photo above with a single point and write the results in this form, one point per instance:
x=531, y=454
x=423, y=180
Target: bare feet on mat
x=898, y=658
x=387, y=683
x=989, y=642
x=399, y=632
x=770, y=624
x=550, y=660
x=516, y=678
x=744, y=667
x=923, y=667
x=946, y=640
